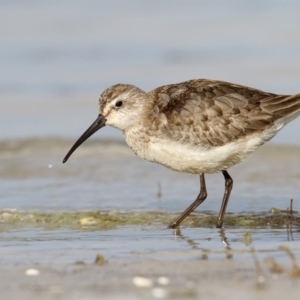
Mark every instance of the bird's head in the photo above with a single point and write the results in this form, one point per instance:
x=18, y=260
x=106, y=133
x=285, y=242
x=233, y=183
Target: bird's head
x=119, y=106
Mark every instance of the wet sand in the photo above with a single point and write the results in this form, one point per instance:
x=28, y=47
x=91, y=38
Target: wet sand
x=188, y=279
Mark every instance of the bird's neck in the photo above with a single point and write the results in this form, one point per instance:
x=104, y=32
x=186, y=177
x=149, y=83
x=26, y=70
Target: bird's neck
x=137, y=139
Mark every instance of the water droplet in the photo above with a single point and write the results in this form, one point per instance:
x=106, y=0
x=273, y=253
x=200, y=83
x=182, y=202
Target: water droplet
x=50, y=165
x=261, y=279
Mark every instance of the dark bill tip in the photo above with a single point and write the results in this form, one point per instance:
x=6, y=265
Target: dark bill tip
x=99, y=123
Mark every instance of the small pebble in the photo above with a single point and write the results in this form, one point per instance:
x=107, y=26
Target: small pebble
x=99, y=260
x=50, y=165
x=163, y=280
x=142, y=281
x=88, y=221
x=32, y=272
x=159, y=293
x=275, y=210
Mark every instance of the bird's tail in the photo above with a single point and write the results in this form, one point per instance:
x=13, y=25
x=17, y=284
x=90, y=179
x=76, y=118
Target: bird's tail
x=284, y=108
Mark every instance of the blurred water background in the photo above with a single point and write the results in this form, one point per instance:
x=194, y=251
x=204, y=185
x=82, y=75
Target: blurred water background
x=56, y=57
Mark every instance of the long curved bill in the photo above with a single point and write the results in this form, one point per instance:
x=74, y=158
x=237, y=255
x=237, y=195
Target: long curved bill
x=99, y=123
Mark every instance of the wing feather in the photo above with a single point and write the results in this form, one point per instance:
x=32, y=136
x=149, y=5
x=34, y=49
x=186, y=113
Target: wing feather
x=211, y=113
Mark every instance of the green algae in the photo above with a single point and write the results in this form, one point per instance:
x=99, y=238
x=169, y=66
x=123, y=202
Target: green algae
x=103, y=220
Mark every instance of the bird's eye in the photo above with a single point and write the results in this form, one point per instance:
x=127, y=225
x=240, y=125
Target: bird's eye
x=119, y=103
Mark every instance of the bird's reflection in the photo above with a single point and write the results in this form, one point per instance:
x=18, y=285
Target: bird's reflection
x=205, y=252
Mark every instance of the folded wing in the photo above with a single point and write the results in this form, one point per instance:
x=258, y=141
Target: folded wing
x=211, y=113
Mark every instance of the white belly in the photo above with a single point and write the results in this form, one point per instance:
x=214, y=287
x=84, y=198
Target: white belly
x=191, y=159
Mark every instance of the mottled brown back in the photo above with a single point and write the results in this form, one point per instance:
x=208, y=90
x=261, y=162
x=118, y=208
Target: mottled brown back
x=212, y=113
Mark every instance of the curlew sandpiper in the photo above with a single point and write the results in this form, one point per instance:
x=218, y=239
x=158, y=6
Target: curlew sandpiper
x=198, y=126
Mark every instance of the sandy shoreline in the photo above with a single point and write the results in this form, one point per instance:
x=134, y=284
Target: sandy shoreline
x=191, y=279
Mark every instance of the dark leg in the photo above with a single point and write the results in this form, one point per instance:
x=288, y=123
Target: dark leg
x=228, y=188
x=201, y=197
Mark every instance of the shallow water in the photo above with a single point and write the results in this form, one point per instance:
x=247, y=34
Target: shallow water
x=63, y=247
x=104, y=181
x=104, y=175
